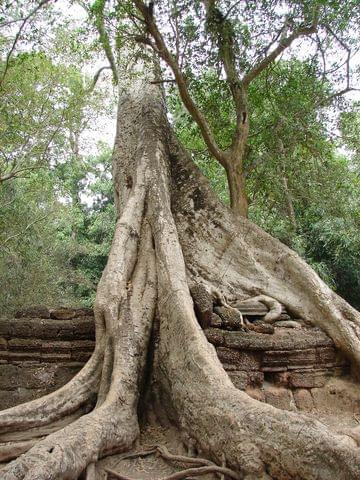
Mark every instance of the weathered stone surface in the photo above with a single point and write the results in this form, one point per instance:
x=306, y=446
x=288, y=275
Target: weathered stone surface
x=83, y=345
x=280, y=379
x=239, y=379
x=80, y=356
x=14, y=357
x=84, y=328
x=280, y=398
x=84, y=312
x=3, y=344
x=33, y=312
x=282, y=339
x=24, y=344
x=203, y=304
x=81, y=328
x=272, y=369
x=20, y=395
x=216, y=321
x=261, y=327
x=49, y=346
x=63, y=313
x=241, y=360
x=215, y=336
x=55, y=357
x=275, y=358
x=64, y=373
x=30, y=377
x=303, y=399
x=256, y=393
x=231, y=318
x=326, y=354
x=290, y=358
x=243, y=380
x=309, y=379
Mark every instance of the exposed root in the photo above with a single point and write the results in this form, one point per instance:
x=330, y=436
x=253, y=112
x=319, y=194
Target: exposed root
x=9, y=451
x=184, y=220
x=196, y=472
x=204, y=466
x=56, y=405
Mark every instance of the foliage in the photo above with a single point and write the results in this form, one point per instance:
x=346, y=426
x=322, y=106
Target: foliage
x=56, y=228
x=291, y=158
x=33, y=263
x=57, y=214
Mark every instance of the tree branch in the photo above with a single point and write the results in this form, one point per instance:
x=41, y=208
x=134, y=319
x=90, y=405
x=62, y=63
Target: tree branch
x=96, y=77
x=222, y=28
x=11, y=237
x=17, y=36
x=104, y=38
x=161, y=49
x=283, y=45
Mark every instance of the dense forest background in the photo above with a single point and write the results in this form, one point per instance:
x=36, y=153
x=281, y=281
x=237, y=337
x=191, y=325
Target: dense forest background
x=56, y=203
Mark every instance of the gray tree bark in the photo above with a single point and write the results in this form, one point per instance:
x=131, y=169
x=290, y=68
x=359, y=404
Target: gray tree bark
x=172, y=231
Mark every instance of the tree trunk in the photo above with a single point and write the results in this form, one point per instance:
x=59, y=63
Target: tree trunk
x=172, y=231
x=237, y=190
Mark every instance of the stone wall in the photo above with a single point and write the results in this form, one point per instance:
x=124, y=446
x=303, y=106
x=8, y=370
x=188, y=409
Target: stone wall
x=294, y=369
x=41, y=350
x=286, y=369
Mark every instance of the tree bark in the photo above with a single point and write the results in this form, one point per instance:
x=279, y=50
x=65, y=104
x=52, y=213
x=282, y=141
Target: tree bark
x=172, y=231
x=237, y=190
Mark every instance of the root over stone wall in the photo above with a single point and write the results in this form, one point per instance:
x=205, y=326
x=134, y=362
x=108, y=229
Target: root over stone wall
x=41, y=349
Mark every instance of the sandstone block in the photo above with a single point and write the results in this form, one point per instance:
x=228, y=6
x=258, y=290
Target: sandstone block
x=49, y=346
x=256, y=394
x=80, y=356
x=282, y=339
x=309, y=378
x=56, y=357
x=239, y=379
x=231, y=318
x=261, y=327
x=24, y=344
x=242, y=360
x=280, y=379
x=280, y=398
x=216, y=321
x=326, y=354
x=215, y=336
x=3, y=344
x=243, y=380
x=62, y=313
x=83, y=328
x=303, y=399
x=33, y=312
x=19, y=356
x=84, y=312
x=65, y=373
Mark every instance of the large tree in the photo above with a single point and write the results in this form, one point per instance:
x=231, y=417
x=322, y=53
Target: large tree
x=172, y=232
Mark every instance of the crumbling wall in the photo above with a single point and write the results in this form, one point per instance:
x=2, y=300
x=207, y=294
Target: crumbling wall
x=294, y=369
x=41, y=350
